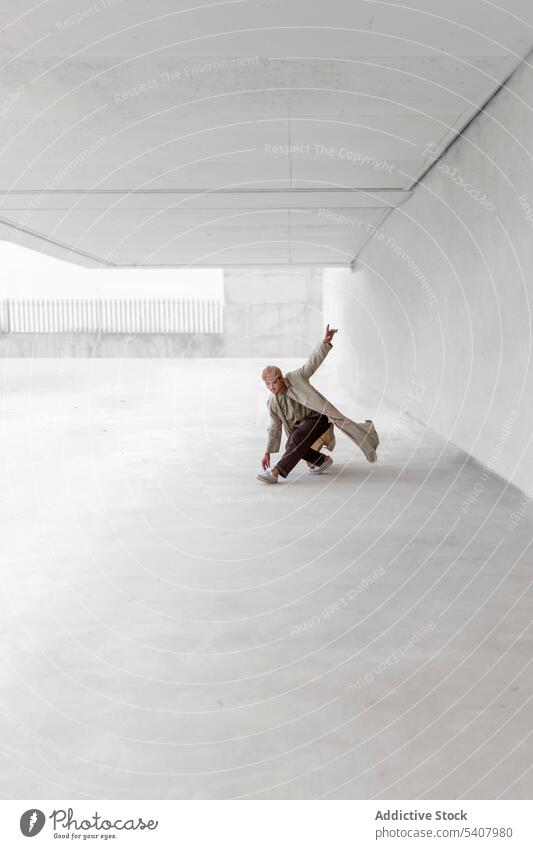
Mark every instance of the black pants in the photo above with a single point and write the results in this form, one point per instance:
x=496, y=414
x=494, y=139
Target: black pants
x=298, y=446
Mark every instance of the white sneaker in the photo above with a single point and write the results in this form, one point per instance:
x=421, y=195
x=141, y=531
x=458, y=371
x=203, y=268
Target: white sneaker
x=317, y=470
x=267, y=477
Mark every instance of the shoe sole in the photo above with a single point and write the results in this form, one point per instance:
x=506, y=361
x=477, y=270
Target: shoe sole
x=266, y=480
x=319, y=470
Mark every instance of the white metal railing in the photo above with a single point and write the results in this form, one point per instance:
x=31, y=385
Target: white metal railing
x=111, y=316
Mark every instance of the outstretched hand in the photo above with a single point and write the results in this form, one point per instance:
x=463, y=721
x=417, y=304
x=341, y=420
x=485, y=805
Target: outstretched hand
x=329, y=334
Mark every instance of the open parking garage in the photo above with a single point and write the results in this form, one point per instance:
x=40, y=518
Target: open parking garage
x=171, y=627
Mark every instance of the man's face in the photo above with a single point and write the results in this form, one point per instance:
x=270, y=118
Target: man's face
x=275, y=383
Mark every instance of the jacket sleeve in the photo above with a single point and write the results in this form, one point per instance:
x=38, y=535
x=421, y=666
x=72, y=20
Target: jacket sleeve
x=317, y=358
x=274, y=432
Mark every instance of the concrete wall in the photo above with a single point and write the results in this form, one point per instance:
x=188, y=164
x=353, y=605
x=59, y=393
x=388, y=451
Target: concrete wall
x=272, y=311
x=267, y=313
x=437, y=315
x=111, y=345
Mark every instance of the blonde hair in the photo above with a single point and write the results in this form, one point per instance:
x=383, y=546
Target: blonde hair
x=270, y=372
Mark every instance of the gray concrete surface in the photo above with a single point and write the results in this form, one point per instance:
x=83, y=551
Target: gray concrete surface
x=233, y=133
x=269, y=309
x=174, y=629
x=443, y=292
x=120, y=345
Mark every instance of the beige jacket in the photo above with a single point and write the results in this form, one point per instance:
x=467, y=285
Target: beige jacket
x=300, y=389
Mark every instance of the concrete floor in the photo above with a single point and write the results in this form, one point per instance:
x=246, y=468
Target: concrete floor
x=166, y=631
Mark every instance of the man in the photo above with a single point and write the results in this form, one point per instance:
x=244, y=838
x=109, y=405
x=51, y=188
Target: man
x=307, y=418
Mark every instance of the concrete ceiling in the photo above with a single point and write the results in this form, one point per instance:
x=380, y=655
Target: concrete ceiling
x=253, y=132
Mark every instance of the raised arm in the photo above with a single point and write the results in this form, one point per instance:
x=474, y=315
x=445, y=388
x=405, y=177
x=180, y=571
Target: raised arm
x=319, y=354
